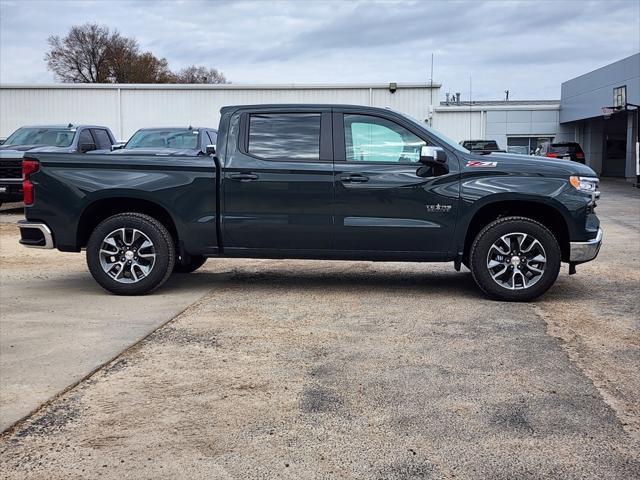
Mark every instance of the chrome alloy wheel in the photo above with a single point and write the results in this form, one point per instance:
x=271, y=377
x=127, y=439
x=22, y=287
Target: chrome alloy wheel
x=127, y=255
x=516, y=261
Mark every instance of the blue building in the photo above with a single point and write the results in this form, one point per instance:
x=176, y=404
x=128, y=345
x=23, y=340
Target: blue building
x=610, y=137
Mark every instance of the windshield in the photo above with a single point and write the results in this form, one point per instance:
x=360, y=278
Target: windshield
x=53, y=137
x=481, y=145
x=169, y=138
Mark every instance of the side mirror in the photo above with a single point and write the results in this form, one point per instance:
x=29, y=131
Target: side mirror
x=117, y=146
x=87, y=147
x=433, y=155
x=210, y=150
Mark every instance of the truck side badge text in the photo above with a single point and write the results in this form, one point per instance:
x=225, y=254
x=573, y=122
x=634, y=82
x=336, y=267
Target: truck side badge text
x=479, y=163
x=438, y=208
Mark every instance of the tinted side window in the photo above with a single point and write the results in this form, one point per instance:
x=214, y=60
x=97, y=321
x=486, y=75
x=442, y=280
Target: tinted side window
x=102, y=139
x=375, y=139
x=285, y=136
x=85, y=137
x=213, y=138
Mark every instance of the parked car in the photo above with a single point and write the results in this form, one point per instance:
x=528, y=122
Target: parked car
x=45, y=138
x=190, y=141
x=565, y=150
x=482, y=146
x=518, y=150
x=316, y=182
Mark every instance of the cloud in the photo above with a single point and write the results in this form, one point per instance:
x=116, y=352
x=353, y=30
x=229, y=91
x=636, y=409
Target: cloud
x=526, y=47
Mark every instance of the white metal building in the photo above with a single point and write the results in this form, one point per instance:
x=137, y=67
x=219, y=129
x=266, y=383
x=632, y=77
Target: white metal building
x=126, y=108
x=516, y=123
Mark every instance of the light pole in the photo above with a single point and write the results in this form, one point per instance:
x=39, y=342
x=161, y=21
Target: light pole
x=637, y=110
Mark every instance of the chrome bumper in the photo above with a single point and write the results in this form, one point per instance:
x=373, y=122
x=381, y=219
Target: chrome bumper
x=585, y=251
x=31, y=238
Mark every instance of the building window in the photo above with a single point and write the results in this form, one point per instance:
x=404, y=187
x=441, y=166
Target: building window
x=525, y=145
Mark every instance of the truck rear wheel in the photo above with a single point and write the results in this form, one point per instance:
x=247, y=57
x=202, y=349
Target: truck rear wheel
x=130, y=254
x=515, y=259
x=193, y=263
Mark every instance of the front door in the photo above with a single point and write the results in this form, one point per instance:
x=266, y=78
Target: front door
x=278, y=182
x=385, y=200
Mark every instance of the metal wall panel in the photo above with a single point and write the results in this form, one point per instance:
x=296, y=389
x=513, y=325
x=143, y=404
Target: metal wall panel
x=20, y=106
x=126, y=108
x=457, y=126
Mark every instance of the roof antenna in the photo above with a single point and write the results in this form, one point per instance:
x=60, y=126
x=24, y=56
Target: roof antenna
x=70, y=125
x=506, y=95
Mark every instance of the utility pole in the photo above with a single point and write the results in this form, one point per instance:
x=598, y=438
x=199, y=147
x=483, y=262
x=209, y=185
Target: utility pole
x=431, y=95
x=470, y=109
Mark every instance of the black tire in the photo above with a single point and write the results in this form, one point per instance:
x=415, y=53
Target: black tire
x=194, y=262
x=162, y=243
x=479, y=260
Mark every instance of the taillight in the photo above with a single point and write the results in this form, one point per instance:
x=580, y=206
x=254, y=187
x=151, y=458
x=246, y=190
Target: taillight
x=552, y=155
x=29, y=166
x=579, y=155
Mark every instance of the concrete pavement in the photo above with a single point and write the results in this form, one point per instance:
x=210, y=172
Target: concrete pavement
x=57, y=325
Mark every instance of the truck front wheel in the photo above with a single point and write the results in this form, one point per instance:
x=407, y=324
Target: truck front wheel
x=130, y=254
x=515, y=259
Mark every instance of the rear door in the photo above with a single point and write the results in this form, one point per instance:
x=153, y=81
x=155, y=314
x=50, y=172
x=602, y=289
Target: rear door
x=278, y=181
x=385, y=200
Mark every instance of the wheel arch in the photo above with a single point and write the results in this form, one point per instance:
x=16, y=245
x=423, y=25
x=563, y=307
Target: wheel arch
x=103, y=208
x=543, y=212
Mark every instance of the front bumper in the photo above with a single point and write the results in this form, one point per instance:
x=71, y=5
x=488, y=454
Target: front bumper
x=35, y=235
x=581, y=252
x=10, y=190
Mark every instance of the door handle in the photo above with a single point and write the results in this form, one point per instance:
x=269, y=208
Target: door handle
x=354, y=178
x=243, y=177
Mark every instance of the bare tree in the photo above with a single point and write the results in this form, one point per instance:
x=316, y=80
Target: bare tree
x=147, y=68
x=81, y=56
x=122, y=53
x=195, y=74
x=91, y=53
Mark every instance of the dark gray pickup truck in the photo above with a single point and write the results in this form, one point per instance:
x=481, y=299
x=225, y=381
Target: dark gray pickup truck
x=45, y=138
x=317, y=182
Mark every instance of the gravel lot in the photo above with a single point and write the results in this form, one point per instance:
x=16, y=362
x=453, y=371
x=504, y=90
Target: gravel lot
x=303, y=369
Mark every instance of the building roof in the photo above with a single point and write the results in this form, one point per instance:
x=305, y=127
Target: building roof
x=500, y=103
x=222, y=86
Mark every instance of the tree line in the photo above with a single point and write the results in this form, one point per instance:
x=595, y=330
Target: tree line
x=92, y=53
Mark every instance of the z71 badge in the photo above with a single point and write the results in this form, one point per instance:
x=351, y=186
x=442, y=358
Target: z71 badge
x=479, y=163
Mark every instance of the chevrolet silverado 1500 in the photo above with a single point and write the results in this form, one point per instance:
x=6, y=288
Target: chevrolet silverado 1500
x=316, y=182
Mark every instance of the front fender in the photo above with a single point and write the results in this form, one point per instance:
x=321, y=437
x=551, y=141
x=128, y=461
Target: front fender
x=478, y=190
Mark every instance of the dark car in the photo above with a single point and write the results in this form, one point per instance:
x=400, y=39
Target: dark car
x=46, y=138
x=564, y=150
x=334, y=182
x=189, y=141
x=481, y=146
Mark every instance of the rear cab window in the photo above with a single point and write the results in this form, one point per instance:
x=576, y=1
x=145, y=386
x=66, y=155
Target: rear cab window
x=284, y=136
x=565, y=149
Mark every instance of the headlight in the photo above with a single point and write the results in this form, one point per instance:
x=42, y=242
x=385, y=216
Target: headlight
x=584, y=184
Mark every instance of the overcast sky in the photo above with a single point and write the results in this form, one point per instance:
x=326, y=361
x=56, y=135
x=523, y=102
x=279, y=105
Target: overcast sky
x=526, y=47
